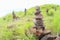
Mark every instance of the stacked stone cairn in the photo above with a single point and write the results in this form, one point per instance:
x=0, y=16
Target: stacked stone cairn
x=40, y=29
x=38, y=19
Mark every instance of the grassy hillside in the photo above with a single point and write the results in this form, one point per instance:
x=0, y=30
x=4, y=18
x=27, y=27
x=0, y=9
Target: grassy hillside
x=15, y=29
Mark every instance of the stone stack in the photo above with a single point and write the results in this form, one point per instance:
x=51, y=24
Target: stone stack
x=41, y=32
x=38, y=19
x=39, y=29
x=14, y=15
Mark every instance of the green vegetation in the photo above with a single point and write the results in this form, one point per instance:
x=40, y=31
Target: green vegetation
x=15, y=29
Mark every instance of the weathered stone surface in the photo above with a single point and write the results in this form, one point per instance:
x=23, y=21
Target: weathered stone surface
x=47, y=37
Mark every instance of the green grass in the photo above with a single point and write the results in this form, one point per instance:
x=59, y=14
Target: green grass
x=17, y=31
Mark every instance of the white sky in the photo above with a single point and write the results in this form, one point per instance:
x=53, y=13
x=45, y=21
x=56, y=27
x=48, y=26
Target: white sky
x=7, y=6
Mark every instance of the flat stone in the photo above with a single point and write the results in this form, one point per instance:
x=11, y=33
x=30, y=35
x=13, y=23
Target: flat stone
x=47, y=32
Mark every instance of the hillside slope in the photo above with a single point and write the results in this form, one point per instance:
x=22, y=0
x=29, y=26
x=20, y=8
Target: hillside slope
x=15, y=29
